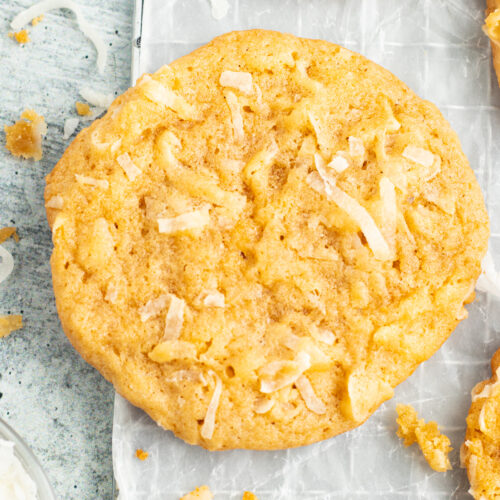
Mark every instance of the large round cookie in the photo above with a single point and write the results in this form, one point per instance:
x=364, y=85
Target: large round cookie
x=258, y=242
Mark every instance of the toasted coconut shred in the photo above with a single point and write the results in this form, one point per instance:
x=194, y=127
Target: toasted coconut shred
x=174, y=319
x=359, y=214
x=339, y=163
x=10, y=323
x=418, y=155
x=309, y=396
x=158, y=93
x=237, y=80
x=489, y=280
x=98, y=99
x=278, y=374
x=197, y=219
x=154, y=307
x=41, y=8
x=90, y=181
x=263, y=405
x=207, y=430
x=6, y=264
x=70, y=126
x=56, y=202
x=236, y=117
x=324, y=335
x=214, y=299
x=129, y=167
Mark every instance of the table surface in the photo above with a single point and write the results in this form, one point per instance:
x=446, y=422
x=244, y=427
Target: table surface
x=60, y=405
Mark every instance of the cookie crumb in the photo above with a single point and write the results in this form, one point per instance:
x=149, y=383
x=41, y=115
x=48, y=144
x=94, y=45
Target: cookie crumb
x=141, y=454
x=20, y=37
x=37, y=20
x=434, y=445
x=201, y=493
x=247, y=495
x=10, y=323
x=7, y=232
x=24, y=138
x=82, y=108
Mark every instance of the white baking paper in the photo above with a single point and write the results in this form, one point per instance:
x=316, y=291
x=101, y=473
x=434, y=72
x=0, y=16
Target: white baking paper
x=437, y=47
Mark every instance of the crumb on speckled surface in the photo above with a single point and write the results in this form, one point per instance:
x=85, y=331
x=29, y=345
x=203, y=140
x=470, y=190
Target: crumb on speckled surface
x=60, y=405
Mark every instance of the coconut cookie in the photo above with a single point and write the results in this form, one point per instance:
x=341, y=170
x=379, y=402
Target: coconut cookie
x=481, y=451
x=492, y=29
x=257, y=243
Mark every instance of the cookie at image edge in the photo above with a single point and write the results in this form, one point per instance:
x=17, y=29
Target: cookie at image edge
x=257, y=243
x=479, y=453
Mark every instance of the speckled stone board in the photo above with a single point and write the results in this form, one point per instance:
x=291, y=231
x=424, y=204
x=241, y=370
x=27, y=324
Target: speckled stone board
x=61, y=406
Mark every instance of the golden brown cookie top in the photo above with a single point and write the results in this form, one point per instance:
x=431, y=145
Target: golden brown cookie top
x=259, y=241
x=480, y=452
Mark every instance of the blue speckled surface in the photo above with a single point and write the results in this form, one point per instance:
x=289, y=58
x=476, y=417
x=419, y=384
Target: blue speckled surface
x=60, y=405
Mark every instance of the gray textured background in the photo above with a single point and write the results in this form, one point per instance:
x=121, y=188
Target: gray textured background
x=60, y=405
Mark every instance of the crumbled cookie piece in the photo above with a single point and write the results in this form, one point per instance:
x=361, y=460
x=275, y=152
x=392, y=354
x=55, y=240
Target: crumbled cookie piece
x=249, y=496
x=82, y=108
x=7, y=232
x=24, y=138
x=434, y=445
x=21, y=36
x=201, y=493
x=141, y=454
x=10, y=323
x=37, y=20
x=480, y=452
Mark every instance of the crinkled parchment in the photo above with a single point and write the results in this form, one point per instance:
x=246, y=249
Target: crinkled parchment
x=436, y=47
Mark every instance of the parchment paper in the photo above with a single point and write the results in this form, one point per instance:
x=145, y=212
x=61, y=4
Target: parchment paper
x=438, y=49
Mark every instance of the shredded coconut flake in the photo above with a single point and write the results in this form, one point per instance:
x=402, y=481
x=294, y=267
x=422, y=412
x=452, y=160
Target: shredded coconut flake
x=338, y=163
x=197, y=219
x=56, y=202
x=207, y=429
x=6, y=264
x=489, y=280
x=174, y=319
x=419, y=155
x=324, y=335
x=90, y=181
x=111, y=293
x=153, y=307
x=214, y=299
x=358, y=213
x=70, y=125
x=236, y=117
x=96, y=98
x=356, y=147
x=389, y=209
x=482, y=423
x=160, y=94
x=220, y=8
x=309, y=396
x=263, y=405
x=240, y=80
x=131, y=170
x=44, y=6
x=485, y=393
x=278, y=374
